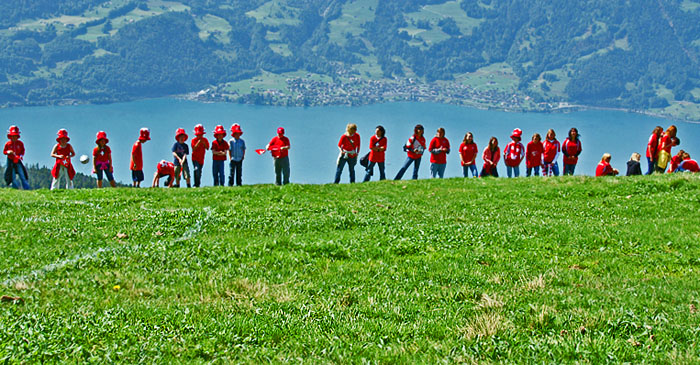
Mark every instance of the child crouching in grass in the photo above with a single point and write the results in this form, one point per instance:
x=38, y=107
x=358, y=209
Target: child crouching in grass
x=164, y=169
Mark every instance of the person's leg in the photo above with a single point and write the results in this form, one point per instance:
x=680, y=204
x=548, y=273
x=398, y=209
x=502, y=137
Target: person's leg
x=100, y=177
x=509, y=171
x=415, y=168
x=15, y=170
x=650, y=165
x=178, y=171
x=239, y=173
x=516, y=171
x=285, y=170
x=555, y=168
x=23, y=177
x=433, y=170
x=278, y=171
x=537, y=170
x=494, y=172
x=222, y=174
x=369, y=171
x=382, y=174
x=528, y=171
x=339, y=170
x=475, y=172
x=403, y=168
x=351, y=168
x=572, y=169
x=545, y=169
x=186, y=173
x=465, y=171
x=110, y=178
x=441, y=170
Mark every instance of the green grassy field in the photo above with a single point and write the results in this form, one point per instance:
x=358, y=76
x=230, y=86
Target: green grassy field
x=525, y=270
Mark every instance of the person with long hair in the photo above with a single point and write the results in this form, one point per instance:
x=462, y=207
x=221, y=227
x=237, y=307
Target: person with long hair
x=550, y=166
x=492, y=153
x=377, y=149
x=467, y=155
x=667, y=141
x=533, y=152
x=414, y=150
x=439, y=148
x=349, y=146
x=653, y=149
x=571, y=149
x=604, y=168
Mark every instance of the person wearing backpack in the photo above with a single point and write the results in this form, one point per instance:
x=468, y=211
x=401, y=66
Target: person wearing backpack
x=514, y=153
x=349, y=146
x=414, y=150
x=377, y=146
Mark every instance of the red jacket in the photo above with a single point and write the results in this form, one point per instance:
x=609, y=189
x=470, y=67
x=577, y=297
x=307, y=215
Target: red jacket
x=690, y=165
x=513, y=154
x=603, y=169
x=65, y=151
x=653, y=146
x=571, y=151
x=438, y=143
x=551, y=151
x=468, y=152
x=17, y=149
x=376, y=156
x=534, y=154
x=350, y=144
x=675, y=162
x=415, y=147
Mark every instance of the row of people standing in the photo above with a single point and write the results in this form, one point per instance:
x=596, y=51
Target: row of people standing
x=537, y=154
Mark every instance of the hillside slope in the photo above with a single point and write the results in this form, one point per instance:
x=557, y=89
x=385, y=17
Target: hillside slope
x=515, y=54
x=524, y=270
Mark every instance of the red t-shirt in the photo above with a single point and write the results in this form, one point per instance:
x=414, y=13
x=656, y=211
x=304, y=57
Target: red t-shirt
x=219, y=147
x=350, y=143
x=551, y=151
x=572, y=149
x=102, y=155
x=376, y=156
x=603, y=169
x=136, y=157
x=665, y=144
x=653, y=146
x=438, y=143
x=166, y=168
x=276, y=143
x=675, y=162
x=16, y=147
x=690, y=165
x=415, y=143
x=199, y=152
x=534, y=154
x=513, y=154
x=468, y=152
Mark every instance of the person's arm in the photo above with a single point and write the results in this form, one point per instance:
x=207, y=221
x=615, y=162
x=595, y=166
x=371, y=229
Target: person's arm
x=485, y=157
x=155, y=180
x=55, y=154
x=461, y=157
x=522, y=152
x=71, y=154
x=244, y=148
x=447, y=147
x=7, y=150
x=94, y=163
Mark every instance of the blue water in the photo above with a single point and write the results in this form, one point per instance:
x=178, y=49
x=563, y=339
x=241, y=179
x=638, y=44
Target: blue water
x=314, y=133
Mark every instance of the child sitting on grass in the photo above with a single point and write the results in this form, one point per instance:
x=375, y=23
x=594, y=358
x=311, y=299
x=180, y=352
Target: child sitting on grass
x=633, y=165
x=102, y=160
x=63, y=168
x=604, y=168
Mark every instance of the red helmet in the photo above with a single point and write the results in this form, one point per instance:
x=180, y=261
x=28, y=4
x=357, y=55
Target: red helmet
x=180, y=132
x=145, y=134
x=62, y=133
x=13, y=131
x=219, y=130
x=101, y=135
x=199, y=130
x=235, y=128
x=517, y=133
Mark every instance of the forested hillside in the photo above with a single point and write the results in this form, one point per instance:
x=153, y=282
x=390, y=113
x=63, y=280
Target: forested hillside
x=637, y=54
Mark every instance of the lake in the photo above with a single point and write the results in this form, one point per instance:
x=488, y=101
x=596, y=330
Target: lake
x=314, y=133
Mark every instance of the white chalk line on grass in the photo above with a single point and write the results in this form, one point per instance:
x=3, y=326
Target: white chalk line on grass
x=42, y=272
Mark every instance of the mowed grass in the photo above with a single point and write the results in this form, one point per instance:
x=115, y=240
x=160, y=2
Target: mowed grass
x=523, y=270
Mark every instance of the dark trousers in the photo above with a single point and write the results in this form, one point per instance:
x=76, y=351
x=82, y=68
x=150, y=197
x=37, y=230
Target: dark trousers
x=569, y=169
x=651, y=166
x=351, y=161
x=197, y=173
x=370, y=171
x=236, y=173
x=282, y=170
x=218, y=170
x=406, y=164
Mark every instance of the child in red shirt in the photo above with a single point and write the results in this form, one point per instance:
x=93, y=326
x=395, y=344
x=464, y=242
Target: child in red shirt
x=14, y=150
x=571, y=150
x=604, y=168
x=136, y=163
x=219, y=150
x=377, y=147
x=279, y=148
x=349, y=146
x=467, y=155
x=514, y=153
x=164, y=169
x=551, y=146
x=102, y=160
x=414, y=150
x=653, y=149
x=666, y=142
x=534, y=151
x=200, y=145
x=439, y=149
x=63, y=168
x=688, y=164
x=492, y=153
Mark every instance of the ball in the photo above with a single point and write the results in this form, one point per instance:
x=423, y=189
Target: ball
x=84, y=159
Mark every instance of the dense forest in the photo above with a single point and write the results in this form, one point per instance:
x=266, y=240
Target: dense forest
x=635, y=54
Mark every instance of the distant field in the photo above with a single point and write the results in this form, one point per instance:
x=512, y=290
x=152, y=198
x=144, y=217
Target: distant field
x=555, y=270
x=275, y=12
x=355, y=14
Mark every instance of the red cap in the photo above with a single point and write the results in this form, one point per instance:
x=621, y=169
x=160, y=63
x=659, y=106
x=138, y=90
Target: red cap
x=235, y=128
x=219, y=130
x=199, y=130
x=13, y=131
x=62, y=133
x=145, y=134
x=180, y=132
x=516, y=133
x=280, y=130
x=101, y=135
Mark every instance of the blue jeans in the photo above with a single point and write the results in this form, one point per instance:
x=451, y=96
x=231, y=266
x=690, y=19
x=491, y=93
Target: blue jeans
x=550, y=169
x=100, y=173
x=537, y=171
x=370, y=171
x=282, y=170
x=18, y=170
x=437, y=169
x=197, y=173
x=406, y=164
x=569, y=169
x=236, y=168
x=472, y=168
x=652, y=166
x=515, y=170
x=218, y=170
x=351, y=161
